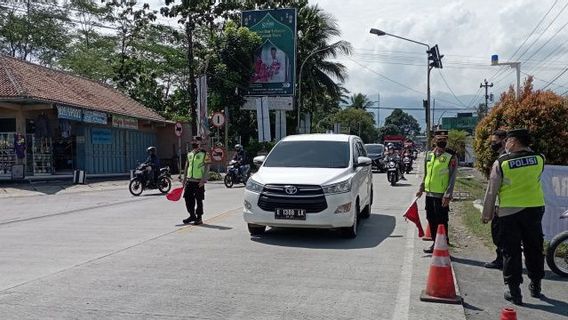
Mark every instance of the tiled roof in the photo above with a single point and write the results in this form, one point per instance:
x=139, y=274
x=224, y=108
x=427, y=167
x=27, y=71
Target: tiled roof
x=24, y=80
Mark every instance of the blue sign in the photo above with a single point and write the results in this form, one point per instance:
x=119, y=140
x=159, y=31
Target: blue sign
x=555, y=186
x=69, y=113
x=94, y=117
x=101, y=136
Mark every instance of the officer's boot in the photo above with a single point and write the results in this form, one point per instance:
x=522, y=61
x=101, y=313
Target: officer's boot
x=513, y=294
x=535, y=288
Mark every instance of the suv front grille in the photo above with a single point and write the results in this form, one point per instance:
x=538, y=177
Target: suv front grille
x=307, y=197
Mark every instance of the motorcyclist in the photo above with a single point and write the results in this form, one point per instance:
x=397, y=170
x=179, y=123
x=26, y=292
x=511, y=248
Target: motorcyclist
x=154, y=162
x=240, y=157
x=392, y=155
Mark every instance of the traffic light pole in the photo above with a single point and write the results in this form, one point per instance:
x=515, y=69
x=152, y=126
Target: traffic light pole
x=428, y=120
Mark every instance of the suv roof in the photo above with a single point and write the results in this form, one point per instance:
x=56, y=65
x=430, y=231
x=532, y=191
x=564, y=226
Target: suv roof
x=320, y=137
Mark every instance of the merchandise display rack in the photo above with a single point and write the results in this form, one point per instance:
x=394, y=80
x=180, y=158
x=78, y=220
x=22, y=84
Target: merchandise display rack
x=7, y=153
x=42, y=156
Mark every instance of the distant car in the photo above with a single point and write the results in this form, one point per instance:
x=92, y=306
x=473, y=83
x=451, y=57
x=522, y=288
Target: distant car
x=311, y=181
x=376, y=152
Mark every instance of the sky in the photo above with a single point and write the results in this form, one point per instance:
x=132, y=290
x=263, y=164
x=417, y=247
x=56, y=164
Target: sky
x=467, y=32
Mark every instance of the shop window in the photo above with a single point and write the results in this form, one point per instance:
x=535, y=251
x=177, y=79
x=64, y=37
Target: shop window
x=7, y=125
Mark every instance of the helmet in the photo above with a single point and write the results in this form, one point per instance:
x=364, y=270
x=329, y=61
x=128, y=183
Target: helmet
x=390, y=145
x=238, y=147
x=151, y=149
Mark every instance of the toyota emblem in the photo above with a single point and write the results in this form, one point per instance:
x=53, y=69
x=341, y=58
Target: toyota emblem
x=290, y=189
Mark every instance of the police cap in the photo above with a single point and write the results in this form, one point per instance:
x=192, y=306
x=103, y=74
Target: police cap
x=518, y=133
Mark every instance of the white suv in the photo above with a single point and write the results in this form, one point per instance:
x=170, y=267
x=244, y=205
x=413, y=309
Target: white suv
x=311, y=181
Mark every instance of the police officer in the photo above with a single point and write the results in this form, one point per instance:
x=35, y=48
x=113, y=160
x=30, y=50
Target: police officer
x=196, y=172
x=498, y=147
x=440, y=169
x=515, y=178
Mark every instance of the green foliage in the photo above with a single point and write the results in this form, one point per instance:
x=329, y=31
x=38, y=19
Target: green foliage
x=388, y=130
x=360, y=101
x=457, y=141
x=214, y=176
x=543, y=113
x=404, y=121
x=359, y=122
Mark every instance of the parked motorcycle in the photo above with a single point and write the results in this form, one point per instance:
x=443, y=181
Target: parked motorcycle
x=407, y=164
x=557, y=252
x=392, y=171
x=143, y=181
x=234, y=176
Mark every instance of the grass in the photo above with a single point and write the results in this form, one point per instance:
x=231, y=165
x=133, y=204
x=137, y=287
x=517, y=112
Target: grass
x=472, y=187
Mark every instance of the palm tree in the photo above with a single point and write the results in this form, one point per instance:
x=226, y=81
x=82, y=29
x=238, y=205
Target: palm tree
x=360, y=101
x=321, y=77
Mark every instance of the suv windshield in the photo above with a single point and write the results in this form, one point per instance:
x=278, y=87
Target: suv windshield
x=374, y=148
x=309, y=154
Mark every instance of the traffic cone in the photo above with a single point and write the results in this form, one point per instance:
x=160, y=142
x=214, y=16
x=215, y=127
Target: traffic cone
x=427, y=234
x=508, y=314
x=440, y=286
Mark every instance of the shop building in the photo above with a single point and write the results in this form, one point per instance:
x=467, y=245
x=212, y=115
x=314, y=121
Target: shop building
x=53, y=122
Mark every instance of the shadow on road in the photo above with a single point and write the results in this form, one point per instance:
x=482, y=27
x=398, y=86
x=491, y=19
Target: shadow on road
x=372, y=232
x=469, y=262
x=554, y=306
x=402, y=185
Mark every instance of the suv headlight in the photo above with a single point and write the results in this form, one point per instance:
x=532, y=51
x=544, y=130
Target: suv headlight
x=254, y=186
x=341, y=187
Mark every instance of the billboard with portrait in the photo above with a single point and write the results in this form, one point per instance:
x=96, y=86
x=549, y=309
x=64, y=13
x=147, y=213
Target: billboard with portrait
x=274, y=67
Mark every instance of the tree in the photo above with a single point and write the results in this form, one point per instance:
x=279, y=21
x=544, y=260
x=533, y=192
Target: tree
x=388, y=130
x=404, y=121
x=543, y=113
x=360, y=101
x=457, y=141
x=358, y=122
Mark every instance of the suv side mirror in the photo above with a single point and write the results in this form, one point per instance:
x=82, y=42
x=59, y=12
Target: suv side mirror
x=258, y=161
x=363, y=162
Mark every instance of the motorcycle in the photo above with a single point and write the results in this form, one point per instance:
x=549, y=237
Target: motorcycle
x=392, y=171
x=415, y=154
x=142, y=180
x=407, y=161
x=557, y=252
x=234, y=175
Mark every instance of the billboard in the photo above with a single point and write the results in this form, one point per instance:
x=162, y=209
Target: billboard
x=274, y=67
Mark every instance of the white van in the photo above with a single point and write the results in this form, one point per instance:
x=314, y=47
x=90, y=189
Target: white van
x=311, y=181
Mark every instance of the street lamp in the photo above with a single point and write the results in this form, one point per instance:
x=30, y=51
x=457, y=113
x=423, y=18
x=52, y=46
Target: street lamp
x=379, y=33
x=300, y=78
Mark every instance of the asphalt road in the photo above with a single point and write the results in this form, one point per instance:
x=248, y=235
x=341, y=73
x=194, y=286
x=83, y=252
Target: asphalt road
x=109, y=255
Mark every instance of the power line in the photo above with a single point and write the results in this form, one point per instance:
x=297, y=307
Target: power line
x=556, y=78
x=452, y=91
x=545, y=29
x=557, y=32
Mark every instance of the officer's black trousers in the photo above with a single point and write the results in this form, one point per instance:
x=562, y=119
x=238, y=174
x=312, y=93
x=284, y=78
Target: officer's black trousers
x=525, y=227
x=495, y=235
x=436, y=214
x=194, y=193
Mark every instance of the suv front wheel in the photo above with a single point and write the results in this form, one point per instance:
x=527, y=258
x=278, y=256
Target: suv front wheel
x=351, y=232
x=256, y=230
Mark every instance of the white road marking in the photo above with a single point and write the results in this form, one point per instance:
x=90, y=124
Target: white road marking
x=402, y=305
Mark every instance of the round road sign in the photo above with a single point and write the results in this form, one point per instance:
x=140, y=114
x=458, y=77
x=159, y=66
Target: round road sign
x=218, y=154
x=178, y=129
x=218, y=119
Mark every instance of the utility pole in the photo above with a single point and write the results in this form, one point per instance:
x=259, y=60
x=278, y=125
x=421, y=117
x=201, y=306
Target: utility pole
x=379, y=110
x=486, y=85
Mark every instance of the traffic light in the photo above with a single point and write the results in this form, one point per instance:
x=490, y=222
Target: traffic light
x=434, y=57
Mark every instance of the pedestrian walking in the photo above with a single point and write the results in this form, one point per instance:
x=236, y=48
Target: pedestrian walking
x=515, y=178
x=440, y=169
x=196, y=173
x=497, y=146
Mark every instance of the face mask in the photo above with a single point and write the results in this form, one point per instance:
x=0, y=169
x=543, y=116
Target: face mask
x=195, y=146
x=441, y=144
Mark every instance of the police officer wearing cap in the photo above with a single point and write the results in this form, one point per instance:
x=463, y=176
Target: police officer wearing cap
x=515, y=178
x=438, y=183
x=196, y=172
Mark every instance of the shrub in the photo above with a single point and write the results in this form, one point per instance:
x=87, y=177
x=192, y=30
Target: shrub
x=543, y=113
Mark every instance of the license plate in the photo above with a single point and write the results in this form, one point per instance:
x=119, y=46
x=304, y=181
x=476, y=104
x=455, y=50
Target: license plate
x=290, y=214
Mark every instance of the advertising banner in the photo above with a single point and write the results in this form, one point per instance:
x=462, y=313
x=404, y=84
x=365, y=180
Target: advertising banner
x=124, y=122
x=275, y=60
x=101, y=136
x=69, y=113
x=555, y=186
x=94, y=117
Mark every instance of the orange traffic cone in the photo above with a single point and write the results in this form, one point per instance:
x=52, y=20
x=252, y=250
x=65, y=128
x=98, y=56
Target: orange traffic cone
x=427, y=234
x=440, y=286
x=508, y=314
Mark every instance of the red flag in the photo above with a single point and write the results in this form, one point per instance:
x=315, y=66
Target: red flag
x=175, y=194
x=412, y=215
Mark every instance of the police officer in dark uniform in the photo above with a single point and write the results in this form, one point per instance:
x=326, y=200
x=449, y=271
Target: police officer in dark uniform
x=498, y=147
x=515, y=178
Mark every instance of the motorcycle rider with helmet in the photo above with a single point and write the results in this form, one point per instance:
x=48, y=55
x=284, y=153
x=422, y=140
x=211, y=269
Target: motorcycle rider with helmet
x=154, y=162
x=391, y=154
x=240, y=157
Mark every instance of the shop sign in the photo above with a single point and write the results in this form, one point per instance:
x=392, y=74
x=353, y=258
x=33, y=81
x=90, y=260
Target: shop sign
x=97, y=117
x=69, y=113
x=124, y=122
x=101, y=136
